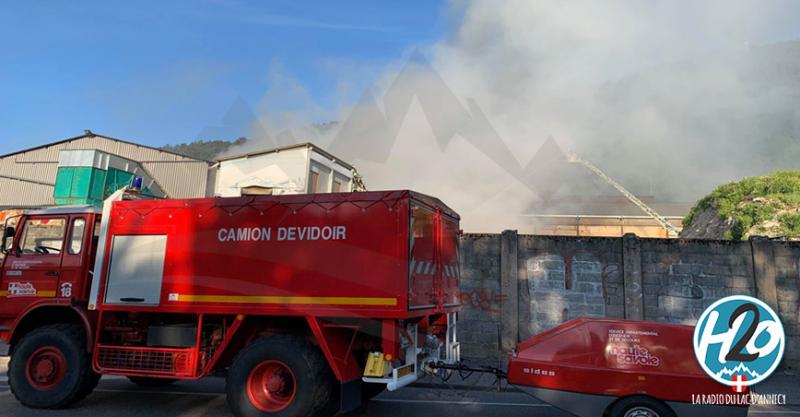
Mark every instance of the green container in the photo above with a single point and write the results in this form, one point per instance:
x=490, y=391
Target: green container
x=87, y=185
x=89, y=176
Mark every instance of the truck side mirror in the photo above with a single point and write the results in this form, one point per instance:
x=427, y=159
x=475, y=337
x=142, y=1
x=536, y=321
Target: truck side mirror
x=9, y=232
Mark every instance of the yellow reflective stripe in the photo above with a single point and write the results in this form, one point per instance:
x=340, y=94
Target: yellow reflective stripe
x=274, y=299
x=43, y=294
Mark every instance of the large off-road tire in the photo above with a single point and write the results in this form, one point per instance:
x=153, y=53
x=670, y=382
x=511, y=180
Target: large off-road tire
x=89, y=384
x=50, y=367
x=640, y=406
x=280, y=376
x=144, y=381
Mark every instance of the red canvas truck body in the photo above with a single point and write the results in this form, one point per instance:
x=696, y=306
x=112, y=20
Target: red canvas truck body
x=161, y=290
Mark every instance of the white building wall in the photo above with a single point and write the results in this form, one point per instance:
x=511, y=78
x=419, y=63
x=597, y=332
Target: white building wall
x=284, y=172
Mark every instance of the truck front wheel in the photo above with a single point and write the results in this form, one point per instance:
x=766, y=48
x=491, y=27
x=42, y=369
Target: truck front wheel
x=50, y=367
x=282, y=376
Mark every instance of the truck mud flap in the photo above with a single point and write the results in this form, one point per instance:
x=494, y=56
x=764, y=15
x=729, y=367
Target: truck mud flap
x=350, y=398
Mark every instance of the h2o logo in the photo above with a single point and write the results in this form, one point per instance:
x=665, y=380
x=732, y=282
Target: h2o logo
x=739, y=341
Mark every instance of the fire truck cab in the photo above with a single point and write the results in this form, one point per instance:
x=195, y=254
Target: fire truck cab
x=307, y=304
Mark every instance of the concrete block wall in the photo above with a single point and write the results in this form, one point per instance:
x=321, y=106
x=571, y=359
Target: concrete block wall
x=560, y=280
x=481, y=298
x=681, y=278
x=787, y=271
x=514, y=286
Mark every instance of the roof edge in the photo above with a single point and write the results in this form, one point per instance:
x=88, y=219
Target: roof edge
x=287, y=148
x=92, y=135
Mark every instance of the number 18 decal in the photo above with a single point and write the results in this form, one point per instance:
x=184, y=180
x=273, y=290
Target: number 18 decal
x=739, y=341
x=66, y=289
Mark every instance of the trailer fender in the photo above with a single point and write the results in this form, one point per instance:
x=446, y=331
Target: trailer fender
x=46, y=312
x=336, y=343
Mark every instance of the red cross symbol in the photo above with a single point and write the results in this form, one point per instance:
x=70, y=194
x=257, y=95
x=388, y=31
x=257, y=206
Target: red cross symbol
x=740, y=386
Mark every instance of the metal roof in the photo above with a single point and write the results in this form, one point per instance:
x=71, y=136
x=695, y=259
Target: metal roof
x=65, y=210
x=286, y=148
x=26, y=176
x=90, y=134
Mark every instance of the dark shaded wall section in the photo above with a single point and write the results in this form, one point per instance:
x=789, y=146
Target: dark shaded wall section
x=514, y=286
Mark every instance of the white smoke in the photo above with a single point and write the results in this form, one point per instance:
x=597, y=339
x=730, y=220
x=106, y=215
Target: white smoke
x=518, y=71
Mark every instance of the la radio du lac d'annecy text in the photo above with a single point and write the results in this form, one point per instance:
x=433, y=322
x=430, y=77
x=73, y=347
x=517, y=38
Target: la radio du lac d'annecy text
x=258, y=233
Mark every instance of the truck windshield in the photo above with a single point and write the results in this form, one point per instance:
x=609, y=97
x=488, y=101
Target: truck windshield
x=43, y=236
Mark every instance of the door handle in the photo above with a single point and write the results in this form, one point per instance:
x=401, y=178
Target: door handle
x=51, y=273
x=132, y=300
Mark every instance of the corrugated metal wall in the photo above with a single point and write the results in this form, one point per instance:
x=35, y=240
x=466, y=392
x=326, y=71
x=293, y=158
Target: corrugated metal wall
x=26, y=178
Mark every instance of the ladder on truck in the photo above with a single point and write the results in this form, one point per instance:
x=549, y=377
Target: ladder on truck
x=671, y=230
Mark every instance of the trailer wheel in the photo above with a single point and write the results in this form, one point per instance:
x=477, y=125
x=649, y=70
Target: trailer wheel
x=144, y=381
x=282, y=376
x=640, y=406
x=50, y=367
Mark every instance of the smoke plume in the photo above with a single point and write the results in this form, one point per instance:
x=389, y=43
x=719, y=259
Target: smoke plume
x=669, y=98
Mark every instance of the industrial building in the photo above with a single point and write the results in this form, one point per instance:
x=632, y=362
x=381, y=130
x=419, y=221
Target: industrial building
x=84, y=165
x=86, y=169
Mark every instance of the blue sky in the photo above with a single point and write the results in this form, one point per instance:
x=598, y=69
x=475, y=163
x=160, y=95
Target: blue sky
x=161, y=72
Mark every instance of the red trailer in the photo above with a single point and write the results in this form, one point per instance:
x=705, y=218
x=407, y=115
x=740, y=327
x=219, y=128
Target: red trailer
x=307, y=302
x=617, y=368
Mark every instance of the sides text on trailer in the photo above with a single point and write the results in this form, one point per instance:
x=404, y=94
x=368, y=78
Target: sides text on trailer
x=308, y=303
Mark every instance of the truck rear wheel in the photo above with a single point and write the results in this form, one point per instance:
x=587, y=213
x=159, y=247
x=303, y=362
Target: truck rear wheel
x=50, y=367
x=282, y=376
x=640, y=406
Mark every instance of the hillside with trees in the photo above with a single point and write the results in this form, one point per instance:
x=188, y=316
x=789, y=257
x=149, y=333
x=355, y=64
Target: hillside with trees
x=767, y=205
x=204, y=149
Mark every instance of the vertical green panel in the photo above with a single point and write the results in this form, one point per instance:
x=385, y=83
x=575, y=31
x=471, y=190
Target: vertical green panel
x=63, y=182
x=98, y=182
x=81, y=182
x=116, y=179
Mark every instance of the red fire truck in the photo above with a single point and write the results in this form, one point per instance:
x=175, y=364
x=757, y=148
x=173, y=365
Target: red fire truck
x=308, y=303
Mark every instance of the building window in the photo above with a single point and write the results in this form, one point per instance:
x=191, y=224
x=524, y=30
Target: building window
x=319, y=178
x=341, y=184
x=43, y=237
x=76, y=237
x=313, y=182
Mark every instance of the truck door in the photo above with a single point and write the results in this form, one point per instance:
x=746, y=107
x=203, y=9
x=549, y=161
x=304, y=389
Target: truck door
x=422, y=265
x=76, y=258
x=32, y=269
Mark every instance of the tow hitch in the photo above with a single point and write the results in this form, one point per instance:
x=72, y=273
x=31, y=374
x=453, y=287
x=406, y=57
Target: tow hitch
x=465, y=371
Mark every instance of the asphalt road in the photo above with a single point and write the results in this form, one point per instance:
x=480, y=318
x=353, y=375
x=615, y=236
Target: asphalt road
x=116, y=397
x=119, y=398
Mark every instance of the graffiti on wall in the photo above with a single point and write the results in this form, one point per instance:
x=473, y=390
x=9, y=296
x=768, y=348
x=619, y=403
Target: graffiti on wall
x=486, y=300
x=562, y=288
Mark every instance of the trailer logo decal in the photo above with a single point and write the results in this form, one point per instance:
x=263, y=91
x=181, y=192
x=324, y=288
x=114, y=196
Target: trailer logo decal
x=634, y=355
x=255, y=234
x=537, y=371
x=739, y=341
